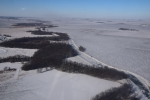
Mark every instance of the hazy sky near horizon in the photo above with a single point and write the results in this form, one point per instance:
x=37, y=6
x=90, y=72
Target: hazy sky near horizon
x=76, y=8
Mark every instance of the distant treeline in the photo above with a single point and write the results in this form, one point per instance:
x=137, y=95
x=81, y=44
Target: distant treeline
x=124, y=92
x=39, y=32
x=127, y=29
x=96, y=71
x=33, y=42
x=73, y=67
x=33, y=25
x=28, y=24
x=16, y=58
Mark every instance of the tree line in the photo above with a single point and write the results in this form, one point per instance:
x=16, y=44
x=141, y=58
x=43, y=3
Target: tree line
x=124, y=92
x=39, y=32
x=16, y=58
x=33, y=42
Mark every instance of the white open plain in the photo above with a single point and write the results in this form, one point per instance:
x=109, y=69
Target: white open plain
x=128, y=50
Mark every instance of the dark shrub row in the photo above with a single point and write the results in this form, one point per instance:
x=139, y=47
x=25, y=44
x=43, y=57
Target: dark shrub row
x=7, y=35
x=39, y=24
x=39, y=32
x=33, y=42
x=126, y=29
x=28, y=24
x=100, y=72
x=63, y=36
x=124, y=92
x=16, y=58
x=25, y=43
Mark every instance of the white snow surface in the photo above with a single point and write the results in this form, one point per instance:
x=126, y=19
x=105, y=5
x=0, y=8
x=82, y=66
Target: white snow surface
x=54, y=85
x=11, y=65
x=128, y=50
x=16, y=51
x=2, y=51
x=78, y=59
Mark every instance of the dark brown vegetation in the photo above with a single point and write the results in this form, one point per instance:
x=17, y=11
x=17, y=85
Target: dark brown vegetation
x=99, y=22
x=81, y=48
x=96, y=71
x=9, y=69
x=28, y=24
x=7, y=35
x=33, y=25
x=39, y=32
x=50, y=55
x=124, y=92
x=127, y=29
x=16, y=58
x=33, y=42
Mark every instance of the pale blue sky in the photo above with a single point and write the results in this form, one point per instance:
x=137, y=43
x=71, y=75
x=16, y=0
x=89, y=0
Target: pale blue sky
x=77, y=8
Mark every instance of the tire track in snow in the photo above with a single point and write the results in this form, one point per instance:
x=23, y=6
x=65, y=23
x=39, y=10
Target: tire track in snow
x=16, y=74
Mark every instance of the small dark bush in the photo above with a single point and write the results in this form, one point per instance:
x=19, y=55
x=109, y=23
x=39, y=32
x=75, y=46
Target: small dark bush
x=7, y=35
x=82, y=49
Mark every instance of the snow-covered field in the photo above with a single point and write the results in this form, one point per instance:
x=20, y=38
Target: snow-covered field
x=54, y=85
x=78, y=59
x=129, y=50
x=5, y=52
x=11, y=65
x=2, y=51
